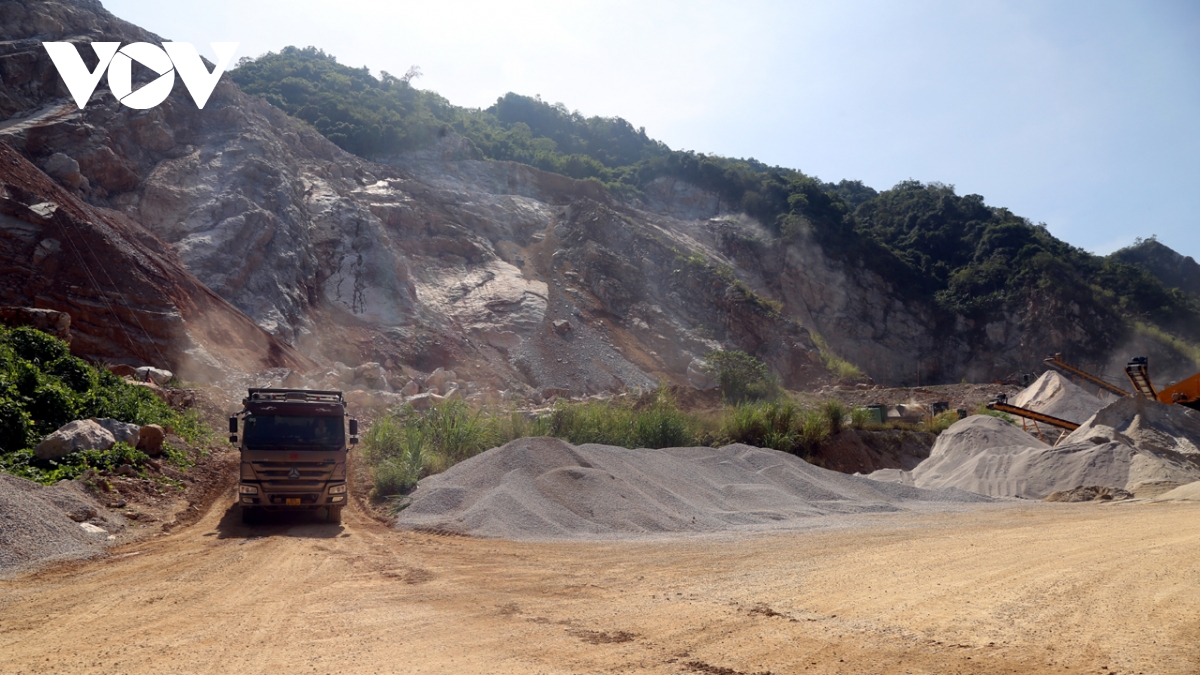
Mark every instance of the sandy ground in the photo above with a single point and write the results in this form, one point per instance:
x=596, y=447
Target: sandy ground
x=1082, y=588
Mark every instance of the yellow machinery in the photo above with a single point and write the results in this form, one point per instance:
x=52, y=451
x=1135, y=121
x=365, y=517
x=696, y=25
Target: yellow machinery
x=1185, y=392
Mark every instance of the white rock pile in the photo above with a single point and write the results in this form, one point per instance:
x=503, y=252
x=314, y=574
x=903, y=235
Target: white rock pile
x=1134, y=444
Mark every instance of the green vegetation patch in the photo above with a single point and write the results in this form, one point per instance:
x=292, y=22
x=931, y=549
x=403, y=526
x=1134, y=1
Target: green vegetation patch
x=43, y=387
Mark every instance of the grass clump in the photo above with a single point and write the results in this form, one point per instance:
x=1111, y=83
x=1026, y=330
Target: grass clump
x=836, y=365
x=43, y=387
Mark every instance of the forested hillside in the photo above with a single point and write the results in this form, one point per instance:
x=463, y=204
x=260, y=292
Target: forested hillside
x=962, y=256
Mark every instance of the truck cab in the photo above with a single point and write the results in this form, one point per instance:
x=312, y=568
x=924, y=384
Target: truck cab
x=294, y=444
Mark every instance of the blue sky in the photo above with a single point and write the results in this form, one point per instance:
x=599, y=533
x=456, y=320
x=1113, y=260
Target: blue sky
x=1081, y=115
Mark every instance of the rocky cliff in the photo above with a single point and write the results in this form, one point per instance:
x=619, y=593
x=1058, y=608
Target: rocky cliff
x=237, y=230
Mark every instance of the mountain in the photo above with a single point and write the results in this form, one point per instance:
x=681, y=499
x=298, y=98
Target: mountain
x=524, y=247
x=1174, y=270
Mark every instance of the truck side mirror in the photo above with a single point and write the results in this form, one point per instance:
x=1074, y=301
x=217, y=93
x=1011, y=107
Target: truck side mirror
x=233, y=425
x=353, y=427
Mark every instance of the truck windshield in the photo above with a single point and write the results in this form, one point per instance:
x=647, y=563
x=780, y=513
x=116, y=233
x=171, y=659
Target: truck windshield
x=267, y=431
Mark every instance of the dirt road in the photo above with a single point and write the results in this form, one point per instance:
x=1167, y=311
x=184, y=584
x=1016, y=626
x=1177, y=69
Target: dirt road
x=1078, y=588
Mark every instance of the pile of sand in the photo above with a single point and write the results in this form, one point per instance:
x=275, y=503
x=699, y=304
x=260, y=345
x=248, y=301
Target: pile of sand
x=1054, y=395
x=40, y=524
x=1183, y=493
x=1129, y=444
x=545, y=488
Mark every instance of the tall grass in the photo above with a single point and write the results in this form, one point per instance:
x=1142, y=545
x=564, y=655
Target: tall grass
x=407, y=445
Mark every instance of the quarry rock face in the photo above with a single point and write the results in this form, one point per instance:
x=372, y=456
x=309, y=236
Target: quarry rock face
x=297, y=254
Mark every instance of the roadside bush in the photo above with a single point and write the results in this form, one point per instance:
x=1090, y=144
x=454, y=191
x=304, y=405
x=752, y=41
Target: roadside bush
x=43, y=387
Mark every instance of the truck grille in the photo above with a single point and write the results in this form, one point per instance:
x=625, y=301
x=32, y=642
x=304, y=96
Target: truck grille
x=290, y=475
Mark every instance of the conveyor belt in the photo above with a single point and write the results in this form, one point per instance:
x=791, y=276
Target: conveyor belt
x=1139, y=375
x=1001, y=404
x=1055, y=361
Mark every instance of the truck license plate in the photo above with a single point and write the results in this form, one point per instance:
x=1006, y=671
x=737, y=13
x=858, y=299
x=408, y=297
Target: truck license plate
x=293, y=501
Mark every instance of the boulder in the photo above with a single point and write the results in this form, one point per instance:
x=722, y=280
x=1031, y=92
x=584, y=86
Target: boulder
x=411, y=389
x=423, y=401
x=150, y=440
x=372, y=375
x=439, y=378
x=155, y=375
x=550, y=392
x=49, y=321
x=123, y=432
x=74, y=437
x=64, y=169
x=698, y=375
x=123, y=370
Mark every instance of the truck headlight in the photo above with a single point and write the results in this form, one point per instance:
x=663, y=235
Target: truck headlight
x=248, y=489
x=337, y=489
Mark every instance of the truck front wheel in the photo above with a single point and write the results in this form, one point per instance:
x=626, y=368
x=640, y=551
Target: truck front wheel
x=249, y=515
x=335, y=515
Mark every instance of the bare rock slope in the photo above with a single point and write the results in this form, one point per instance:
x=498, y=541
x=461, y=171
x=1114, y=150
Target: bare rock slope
x=514, y=277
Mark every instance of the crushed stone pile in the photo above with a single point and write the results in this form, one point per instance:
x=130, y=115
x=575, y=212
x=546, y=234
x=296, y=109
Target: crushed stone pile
x=1054, y=395
x=40, y=524
x=1132, y=444
x=545, y=488
x=1184, y=493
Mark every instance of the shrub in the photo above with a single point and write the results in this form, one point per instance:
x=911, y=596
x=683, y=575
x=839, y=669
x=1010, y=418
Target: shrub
x=73, y=372
x=51, y=406
x=35, y=346
x=16, y=426
x=741, y=377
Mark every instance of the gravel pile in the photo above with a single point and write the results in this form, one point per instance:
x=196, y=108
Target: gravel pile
x=1132, y=444
x=41, y=524
x=1054, y=395
x=544, y=488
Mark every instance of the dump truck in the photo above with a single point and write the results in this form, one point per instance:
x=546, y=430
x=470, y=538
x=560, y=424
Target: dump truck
x=294, y=444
